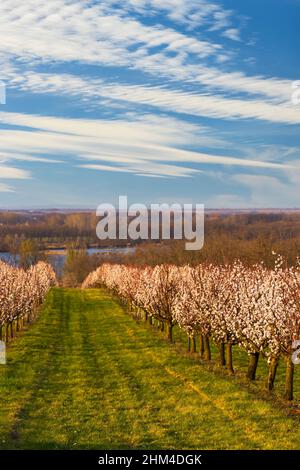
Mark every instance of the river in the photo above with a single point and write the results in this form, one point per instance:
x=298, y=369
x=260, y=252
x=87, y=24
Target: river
x=57, y=256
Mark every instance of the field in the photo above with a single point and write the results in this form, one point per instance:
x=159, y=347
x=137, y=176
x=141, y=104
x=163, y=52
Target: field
x=86, y=375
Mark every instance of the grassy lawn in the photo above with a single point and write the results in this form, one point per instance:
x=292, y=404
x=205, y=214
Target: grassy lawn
x=86, y=375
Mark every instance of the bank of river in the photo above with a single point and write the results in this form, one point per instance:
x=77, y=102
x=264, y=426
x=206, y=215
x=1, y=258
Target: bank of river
x=57, y=256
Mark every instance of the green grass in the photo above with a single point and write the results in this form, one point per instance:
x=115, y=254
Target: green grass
x=240, y=363
x=86, y=375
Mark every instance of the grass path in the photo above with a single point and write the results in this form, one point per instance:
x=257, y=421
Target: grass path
x=88, y=376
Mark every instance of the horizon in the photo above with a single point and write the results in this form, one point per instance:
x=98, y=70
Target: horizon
x=212, y=209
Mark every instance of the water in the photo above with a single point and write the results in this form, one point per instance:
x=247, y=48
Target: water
x=8, y=258
x=57, y=257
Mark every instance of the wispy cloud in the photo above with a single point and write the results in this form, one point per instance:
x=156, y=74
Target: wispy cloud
x=134, y=146
x=7, y=172
x=135, y=65
x=214, y=106
x=86, y=32
x=4, y=188
x=193, y=13
x=38, y=32
x=232, y=33
x=263, y=190
x=142, y=168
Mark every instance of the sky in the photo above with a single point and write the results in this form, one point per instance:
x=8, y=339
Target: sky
x=190, y=101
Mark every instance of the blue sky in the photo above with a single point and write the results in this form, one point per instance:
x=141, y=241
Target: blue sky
x=163, y=101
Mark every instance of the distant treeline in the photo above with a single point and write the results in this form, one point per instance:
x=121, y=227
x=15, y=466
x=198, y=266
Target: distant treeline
x=249, y=236
x=50, y=229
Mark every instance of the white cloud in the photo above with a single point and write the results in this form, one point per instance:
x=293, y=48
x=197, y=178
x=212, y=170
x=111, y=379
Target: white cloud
x=4, y=157
x=193, y=13
x=4, y=188
x=221, y=20
x=197, y=104
x=7, y=172
x=85, y=32
x=263, y=191
x=217, y=106
x=144, y=168
x=269, y=191
x=232, y=33
x=136, y=146
x=133, y=35
x=39, y=32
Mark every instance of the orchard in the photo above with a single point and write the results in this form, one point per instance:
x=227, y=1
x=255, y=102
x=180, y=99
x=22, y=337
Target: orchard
x=21, y=292
x=255, y=308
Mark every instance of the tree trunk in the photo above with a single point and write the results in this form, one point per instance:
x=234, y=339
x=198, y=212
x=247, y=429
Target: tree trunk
x=272, y=373
x=170, y=331
x=189, y=344
x=207, y=353
x=229, y=364
x=162, y=326
x=194, y=344
x=289, y=380
x=222, y=354
x=252, y=367
x=12, y=330
x=201, y=347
